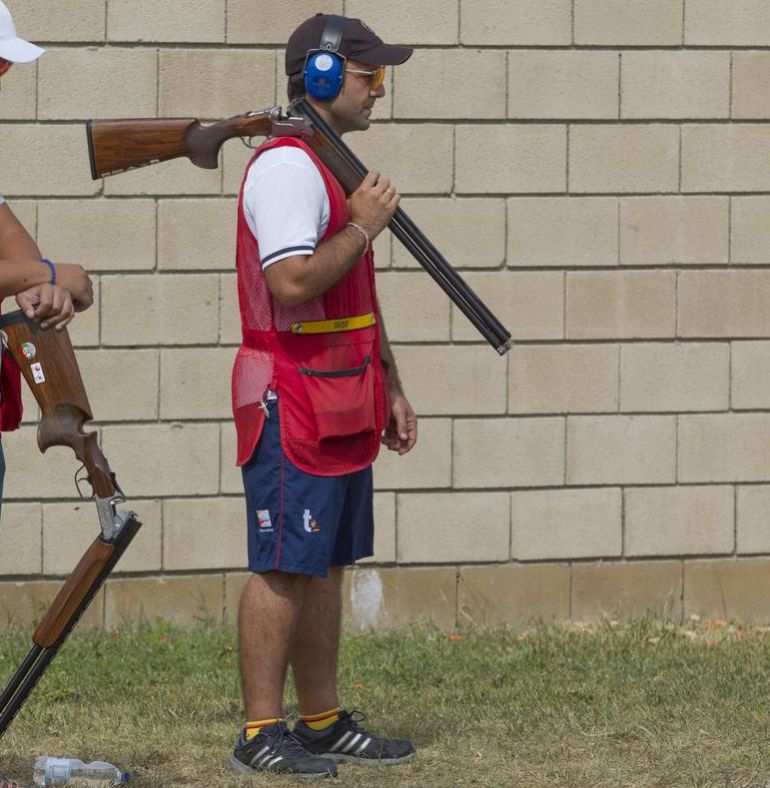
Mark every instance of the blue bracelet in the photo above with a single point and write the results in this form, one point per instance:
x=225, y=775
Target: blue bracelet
x=52, y=280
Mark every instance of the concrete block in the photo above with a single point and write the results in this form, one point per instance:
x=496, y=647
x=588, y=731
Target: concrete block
x=741, y=23
x=561, y=84
x=563, y=379
x=70, y=528
x=77, y=20
x=512, y=594
x=168, y=178
x=20, y=93
x=751, y=71
x=566, y=524
x=220, y=93
x=462, y=380
x=182, y=600
x=624, y=158
x=255, y=23
x=122, y=385
x=163, y=309
x=730, y=447
x=620, y=304
x=674, y=377
x=428, y=465
x=683, y=84
x=416, y=158
x=723, y=303
x=751, y=511
x=598, y=450
x=195, y=383
x=674, y=230
x=562, y=231
x=33, y=475
x=414, y=308
x=234, y=157
x=235, y=582
x=508, y=452
x=204, y=533
x=386, y=598
x=725, y=157
x=61, y=161
x=102, y=235
x=749, y=231
x=103, y=91
x=628, y=22
x=172, y=20
x=404, y=22
x=21, y=539
x=750, y=376
x=229, y=314
x=384, y=530
x=23, y=604
x=515, y=23
x=727, y=589
x=686, y=520
x=448, y=222
x=535, y=159
x=453, y=527
x=26, y=212
x=420, y=84
x=627, y=590
x=165, y=459
x=529, y=304
x=197, y=234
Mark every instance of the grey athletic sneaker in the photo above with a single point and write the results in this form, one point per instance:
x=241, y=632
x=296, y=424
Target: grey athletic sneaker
x=346, y=740
x=276, y=749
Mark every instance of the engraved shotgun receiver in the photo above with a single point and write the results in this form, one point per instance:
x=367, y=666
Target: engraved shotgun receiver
x=48, y=364
x=118, y=145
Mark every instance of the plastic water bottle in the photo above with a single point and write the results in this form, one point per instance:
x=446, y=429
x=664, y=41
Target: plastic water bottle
x=59, y=771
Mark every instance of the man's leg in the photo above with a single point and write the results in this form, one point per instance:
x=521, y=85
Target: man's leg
x=315, y=646
x=268, y=615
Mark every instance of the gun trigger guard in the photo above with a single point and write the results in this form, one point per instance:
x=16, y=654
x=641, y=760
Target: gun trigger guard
x=111, y=519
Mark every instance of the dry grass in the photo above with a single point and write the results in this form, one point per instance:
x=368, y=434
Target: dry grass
x=641, y=704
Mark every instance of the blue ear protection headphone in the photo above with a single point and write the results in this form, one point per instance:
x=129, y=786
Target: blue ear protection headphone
x=325, y=66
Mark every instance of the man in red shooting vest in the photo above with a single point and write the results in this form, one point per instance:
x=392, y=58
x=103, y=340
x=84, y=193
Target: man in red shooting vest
x=315, y=392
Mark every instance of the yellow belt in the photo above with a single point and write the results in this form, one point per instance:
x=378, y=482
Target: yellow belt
x=330, y=326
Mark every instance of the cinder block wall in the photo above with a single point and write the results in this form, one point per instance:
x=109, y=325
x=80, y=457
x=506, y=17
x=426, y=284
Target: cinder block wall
x=599, y=170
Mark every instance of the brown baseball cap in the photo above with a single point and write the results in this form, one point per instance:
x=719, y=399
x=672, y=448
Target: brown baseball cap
x=359, y=42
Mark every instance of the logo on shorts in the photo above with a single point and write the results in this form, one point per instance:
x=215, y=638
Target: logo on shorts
x=310, y=523
x=263, y=520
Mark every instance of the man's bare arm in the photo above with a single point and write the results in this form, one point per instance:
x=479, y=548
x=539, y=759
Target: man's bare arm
x=294, y=280
x=21, y=269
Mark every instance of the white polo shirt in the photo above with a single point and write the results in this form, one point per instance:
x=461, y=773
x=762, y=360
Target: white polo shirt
x=285, y=204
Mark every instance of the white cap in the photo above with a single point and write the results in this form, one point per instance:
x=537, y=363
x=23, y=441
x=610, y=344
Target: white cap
x=13, y=48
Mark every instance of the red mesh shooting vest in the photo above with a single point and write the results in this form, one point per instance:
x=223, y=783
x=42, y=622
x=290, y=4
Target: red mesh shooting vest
x=332, y=398
x=10, y=394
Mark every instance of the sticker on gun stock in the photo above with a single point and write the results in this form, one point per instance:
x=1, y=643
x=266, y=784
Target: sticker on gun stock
x=28, y=350
x=37, y=373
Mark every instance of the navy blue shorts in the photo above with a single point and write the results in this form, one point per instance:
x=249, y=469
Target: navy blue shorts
x=299, y=522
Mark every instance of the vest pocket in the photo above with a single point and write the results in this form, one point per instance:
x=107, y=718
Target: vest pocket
x=342, y=399
x=329, y=395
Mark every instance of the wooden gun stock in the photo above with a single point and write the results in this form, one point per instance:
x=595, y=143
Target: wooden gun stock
x=47, y=362
x=118, y=145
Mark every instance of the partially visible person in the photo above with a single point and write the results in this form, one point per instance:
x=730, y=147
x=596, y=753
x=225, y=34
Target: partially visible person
x=49, y=293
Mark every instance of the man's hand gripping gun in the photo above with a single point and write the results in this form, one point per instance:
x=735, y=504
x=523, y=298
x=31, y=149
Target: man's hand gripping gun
x=118, y=145
x=48, y=364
